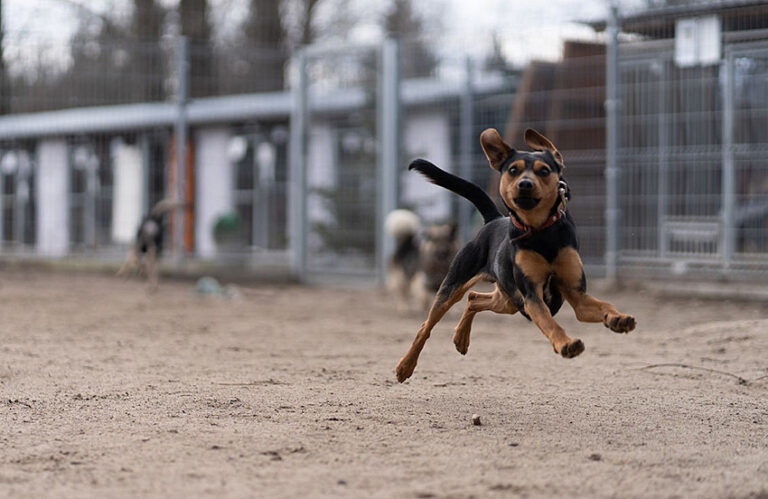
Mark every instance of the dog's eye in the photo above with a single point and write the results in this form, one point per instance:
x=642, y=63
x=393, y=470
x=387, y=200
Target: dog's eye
x=543, y=172
x=512, y=170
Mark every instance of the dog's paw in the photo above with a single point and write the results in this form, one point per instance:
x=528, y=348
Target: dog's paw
x=404, y=369
x=619, y=323
x=461, y=340
x=571, y=349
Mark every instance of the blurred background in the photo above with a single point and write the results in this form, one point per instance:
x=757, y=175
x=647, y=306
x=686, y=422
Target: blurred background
x=287, y=126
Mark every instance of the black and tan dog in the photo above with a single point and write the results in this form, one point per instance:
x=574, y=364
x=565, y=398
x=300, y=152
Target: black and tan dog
x=148, y=246
x=531, y=255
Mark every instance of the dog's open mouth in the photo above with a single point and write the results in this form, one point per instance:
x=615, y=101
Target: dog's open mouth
x=526, y=203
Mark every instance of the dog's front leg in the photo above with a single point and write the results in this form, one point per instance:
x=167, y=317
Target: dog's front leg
x=539, y=313
x=531, y=272
x=570, y=274
x=590, y=309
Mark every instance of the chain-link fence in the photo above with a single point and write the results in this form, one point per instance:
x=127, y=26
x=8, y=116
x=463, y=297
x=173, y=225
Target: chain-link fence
x=691, y=153
x=98, y=73
x=294, y=159
x=343, y=159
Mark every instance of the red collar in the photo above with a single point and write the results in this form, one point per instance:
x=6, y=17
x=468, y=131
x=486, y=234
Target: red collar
x=528, y=230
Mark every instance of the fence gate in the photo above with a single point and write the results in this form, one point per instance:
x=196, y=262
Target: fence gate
x=695, y=186
x=345, y=119
x=747, y=154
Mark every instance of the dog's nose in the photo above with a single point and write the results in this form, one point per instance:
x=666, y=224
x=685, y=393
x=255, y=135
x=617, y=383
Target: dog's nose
x=525, y=185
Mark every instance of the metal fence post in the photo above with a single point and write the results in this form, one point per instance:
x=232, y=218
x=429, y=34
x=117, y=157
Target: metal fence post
x=466, y=125
x=388, y=111
x=663, y=137
x=180, y=131
x=728, y=179
x=145, y=172
x=19, y=208
x=89, y=203
x=298, y=167
x=612, y=180
x=2, y=211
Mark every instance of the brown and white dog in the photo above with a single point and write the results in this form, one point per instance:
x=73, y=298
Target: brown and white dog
x=421, y=258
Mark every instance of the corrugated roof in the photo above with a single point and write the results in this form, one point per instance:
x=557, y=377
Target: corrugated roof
x=226, y=109
x=659, y=21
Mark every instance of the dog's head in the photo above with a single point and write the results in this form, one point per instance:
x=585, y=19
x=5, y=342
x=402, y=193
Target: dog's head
x=529, y=180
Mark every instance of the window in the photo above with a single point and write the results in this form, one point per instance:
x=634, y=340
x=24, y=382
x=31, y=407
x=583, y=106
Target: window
x=90, y=200
x=17, y=169
x=260, y=187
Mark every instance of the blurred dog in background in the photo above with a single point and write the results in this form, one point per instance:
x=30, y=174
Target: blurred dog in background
x=143, y=256
x=421, y=258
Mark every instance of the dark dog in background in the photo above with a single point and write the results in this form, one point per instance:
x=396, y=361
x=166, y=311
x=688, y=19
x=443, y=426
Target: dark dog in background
x=531, y=255
x=421, y=258
x=146, y=250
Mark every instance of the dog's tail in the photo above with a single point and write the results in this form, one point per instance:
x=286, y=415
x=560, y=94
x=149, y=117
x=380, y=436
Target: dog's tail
x=164, y=206
x=402, y=224
x=463, y=188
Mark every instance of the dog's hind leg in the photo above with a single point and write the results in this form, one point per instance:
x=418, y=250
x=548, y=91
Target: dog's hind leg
x=150, y=262
x=131, y=262
x=573, y=284
x=443, y=302
x=462, y=275
x=495, y=301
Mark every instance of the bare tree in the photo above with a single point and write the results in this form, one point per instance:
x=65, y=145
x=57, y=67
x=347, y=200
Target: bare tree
x=196, y=26
x=270, y=32
x=5, y=94
x=266, y=45
x=99, y=73
x=303, y=24
x=496, y=60
x=115, y=59
x=147, y=64
x=404, y=24
x=308, y=10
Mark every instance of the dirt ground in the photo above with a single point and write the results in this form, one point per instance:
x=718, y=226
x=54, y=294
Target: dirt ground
x=108, y=391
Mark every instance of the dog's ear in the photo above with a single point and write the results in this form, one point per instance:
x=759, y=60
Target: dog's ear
x=495, y=149
x=538, y=142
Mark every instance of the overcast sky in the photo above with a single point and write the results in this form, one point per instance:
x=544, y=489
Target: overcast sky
x=527, y=29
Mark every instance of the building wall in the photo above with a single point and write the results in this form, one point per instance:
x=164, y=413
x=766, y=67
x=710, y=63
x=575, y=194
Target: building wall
x=128, y=194
x=52, y=198
x=427, y=134
x=214, y=185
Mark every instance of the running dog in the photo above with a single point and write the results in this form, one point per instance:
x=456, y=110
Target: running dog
x=531, y=255
x=421, y=258
x=145, y=252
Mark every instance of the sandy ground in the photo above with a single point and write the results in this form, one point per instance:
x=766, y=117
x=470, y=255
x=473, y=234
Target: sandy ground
x=290, y=391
